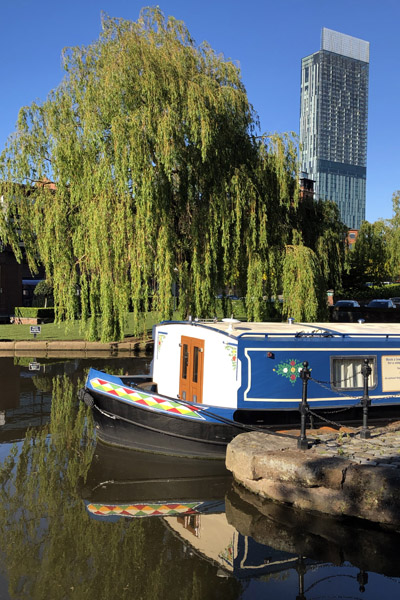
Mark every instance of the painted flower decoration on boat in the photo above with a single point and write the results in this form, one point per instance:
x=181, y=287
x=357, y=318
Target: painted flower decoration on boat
x=289, y=369
x=161, y=338
x=232, y=351
x=227, y=554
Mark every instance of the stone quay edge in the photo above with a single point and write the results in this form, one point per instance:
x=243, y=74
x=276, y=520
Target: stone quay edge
x=69, y=347
x=340, y=474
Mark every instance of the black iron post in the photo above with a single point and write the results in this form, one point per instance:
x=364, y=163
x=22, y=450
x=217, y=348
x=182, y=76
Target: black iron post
x=365, y=400
x=301, y=571
x=362, y=579
x=302, y=442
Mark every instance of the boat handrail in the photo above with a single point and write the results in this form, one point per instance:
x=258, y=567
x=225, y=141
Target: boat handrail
x=318, y=334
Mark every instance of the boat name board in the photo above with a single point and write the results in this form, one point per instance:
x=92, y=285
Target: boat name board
x=391, y=373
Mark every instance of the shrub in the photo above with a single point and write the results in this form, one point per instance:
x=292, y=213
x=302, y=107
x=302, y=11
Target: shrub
x=43, y=293
x=34, y=312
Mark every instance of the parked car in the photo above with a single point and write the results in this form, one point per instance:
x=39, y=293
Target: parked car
x=230, y=297
x=346, y=304
x=381, y=304
x=396, y=300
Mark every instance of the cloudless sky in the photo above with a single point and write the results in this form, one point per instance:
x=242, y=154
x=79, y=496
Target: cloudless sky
x=267, y=38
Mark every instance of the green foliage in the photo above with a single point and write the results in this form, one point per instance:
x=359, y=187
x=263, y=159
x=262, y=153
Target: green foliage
x=322, y=231
x=43, y=288
x=304, y=292
x=394, y=237
x=51, y=548
x=34, y=312
x=131, y=170
x=367, y=293
x=369, y=258
x=43, y=292
x=142, y=170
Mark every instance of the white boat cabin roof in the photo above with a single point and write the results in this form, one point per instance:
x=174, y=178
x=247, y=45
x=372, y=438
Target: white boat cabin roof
x=236, y=328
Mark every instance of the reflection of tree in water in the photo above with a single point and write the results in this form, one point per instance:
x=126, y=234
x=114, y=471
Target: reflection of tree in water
x=42, y=383
x=51, y=548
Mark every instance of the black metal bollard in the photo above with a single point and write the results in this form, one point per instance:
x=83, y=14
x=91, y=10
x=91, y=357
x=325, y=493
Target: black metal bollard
x=365, y=400
x=302, y=442
x=362, y=579
x=301, y=571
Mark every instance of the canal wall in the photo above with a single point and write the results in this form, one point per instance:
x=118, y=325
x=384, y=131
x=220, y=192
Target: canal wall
x=77, y=348
x=340, y=474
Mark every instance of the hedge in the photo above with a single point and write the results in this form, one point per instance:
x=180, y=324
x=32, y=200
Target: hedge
x=369, y=293
x=32, y=312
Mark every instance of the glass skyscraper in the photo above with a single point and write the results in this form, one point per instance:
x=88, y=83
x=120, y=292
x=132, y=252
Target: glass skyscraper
x=333, y=122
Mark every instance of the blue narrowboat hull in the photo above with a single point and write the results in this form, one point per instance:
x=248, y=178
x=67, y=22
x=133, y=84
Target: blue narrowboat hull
x=271, y=368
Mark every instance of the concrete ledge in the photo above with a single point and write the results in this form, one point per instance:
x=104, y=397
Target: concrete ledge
x=79, y=347
x=65, y=345
x=30, y=345
x=271, y=468
x=7, y=346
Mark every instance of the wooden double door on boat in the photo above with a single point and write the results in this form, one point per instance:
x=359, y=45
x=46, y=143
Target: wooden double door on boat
x=191, y=374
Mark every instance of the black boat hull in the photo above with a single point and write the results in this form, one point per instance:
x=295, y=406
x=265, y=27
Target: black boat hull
x=120, y=475
x=121, y=424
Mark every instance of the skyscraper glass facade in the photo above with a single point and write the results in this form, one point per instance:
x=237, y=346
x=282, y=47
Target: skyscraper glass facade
x=333, y=122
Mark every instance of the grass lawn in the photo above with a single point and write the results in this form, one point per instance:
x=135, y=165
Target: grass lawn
x=72, y=331
x=50, y=331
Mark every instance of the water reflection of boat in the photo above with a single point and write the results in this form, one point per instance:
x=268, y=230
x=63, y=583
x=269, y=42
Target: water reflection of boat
x=320, y=538
x=240, y=534
x=188, y=495
x=133, y=483
x=211, y=537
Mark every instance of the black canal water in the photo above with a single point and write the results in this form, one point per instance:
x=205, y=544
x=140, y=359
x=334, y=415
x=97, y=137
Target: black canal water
x=82, y=520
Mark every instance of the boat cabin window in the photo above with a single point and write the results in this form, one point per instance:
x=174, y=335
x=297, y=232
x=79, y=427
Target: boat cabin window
x=185, y=360
x=196, y=364
x=346, y=372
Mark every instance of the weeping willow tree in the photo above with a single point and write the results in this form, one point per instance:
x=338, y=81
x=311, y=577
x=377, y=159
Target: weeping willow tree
x=316, y=224
x=127, y=168
x=142, y=170
x=304, y=295
x=267, y=227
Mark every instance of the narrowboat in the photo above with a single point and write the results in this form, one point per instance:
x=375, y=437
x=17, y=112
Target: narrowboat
x=210, y=381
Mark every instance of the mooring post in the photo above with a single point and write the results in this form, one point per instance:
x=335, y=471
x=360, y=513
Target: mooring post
x=302, y=442
x=301, y=571
x=362, y=579
x=365, y=400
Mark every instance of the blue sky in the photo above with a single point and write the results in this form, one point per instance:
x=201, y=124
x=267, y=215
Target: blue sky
x=268, y=39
